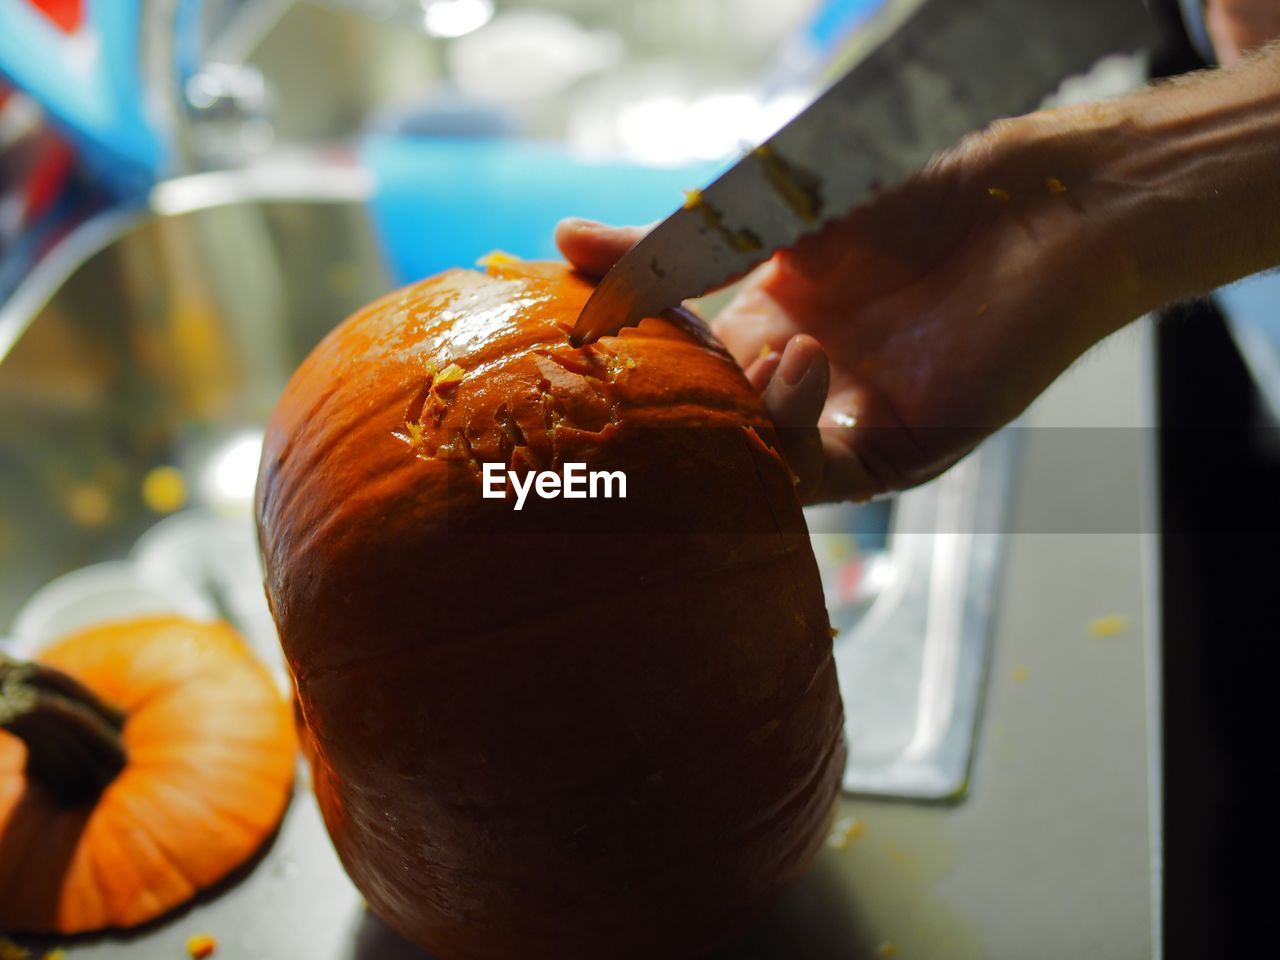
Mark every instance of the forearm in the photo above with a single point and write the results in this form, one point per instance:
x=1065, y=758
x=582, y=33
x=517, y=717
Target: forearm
x=1178, y=186
x=1201, y=157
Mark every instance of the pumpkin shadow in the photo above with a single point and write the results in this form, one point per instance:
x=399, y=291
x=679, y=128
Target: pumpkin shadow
x=375, y=940
x=813, y=921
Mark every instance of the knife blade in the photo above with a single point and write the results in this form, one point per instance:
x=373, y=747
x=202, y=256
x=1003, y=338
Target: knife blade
x=930, y=71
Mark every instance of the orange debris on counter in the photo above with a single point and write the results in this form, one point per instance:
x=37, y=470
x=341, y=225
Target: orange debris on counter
x=1109, y=626
x=845, y=832
x=201, y=945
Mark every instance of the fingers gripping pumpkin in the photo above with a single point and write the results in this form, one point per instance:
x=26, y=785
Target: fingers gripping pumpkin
x=140, y=762
x=590, y=727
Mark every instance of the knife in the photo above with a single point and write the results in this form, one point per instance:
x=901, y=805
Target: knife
x=929, y=72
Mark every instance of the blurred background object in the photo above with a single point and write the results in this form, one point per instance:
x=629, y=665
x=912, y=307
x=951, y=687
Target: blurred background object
x=660, y=94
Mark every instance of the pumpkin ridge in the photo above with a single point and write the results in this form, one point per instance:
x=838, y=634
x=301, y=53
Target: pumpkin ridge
x=240, y=820
x=278, y=497
x=179, y=756
x=231, y=688
x=189, y=812
x=285, y=454
x=247, y=762
x=414, y=645
x=124, y=808
x=334, y=526
x=229, y=676
x=275, y=798
x=803, y=792
x=533, y=801
x=200, y=667
x=673, y=865
x=753, y=440
x=92, y=854
x=131, y=832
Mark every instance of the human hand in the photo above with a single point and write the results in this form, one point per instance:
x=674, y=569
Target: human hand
x=890, y=343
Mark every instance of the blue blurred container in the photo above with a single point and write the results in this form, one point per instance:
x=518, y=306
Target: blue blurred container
x=443, y=203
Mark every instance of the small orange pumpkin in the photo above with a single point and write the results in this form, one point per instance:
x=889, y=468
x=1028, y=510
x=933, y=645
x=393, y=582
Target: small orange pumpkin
x=143, y=761
x=589, y=728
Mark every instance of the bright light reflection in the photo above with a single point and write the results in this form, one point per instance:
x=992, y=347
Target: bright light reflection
x=232, y=471
x=777, y=113
x=720, y=124
x=663, y=128
x=469, y=331
x=454, y=18
x=653, y=130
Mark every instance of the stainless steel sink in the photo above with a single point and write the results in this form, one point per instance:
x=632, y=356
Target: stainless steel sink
x=160, y=338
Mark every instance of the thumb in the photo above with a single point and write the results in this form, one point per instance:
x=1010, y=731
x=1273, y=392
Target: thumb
x=794, y=398
x=594, y=247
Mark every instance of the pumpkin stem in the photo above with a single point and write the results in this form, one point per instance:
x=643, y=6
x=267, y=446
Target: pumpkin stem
x=72, y=736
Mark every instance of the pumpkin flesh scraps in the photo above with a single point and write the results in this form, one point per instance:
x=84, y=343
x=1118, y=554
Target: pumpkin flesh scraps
x=572, y=389
x=139, y=763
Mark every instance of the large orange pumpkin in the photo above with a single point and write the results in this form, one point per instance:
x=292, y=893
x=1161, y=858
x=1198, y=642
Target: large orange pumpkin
x=587, y=728
x=143, y=761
